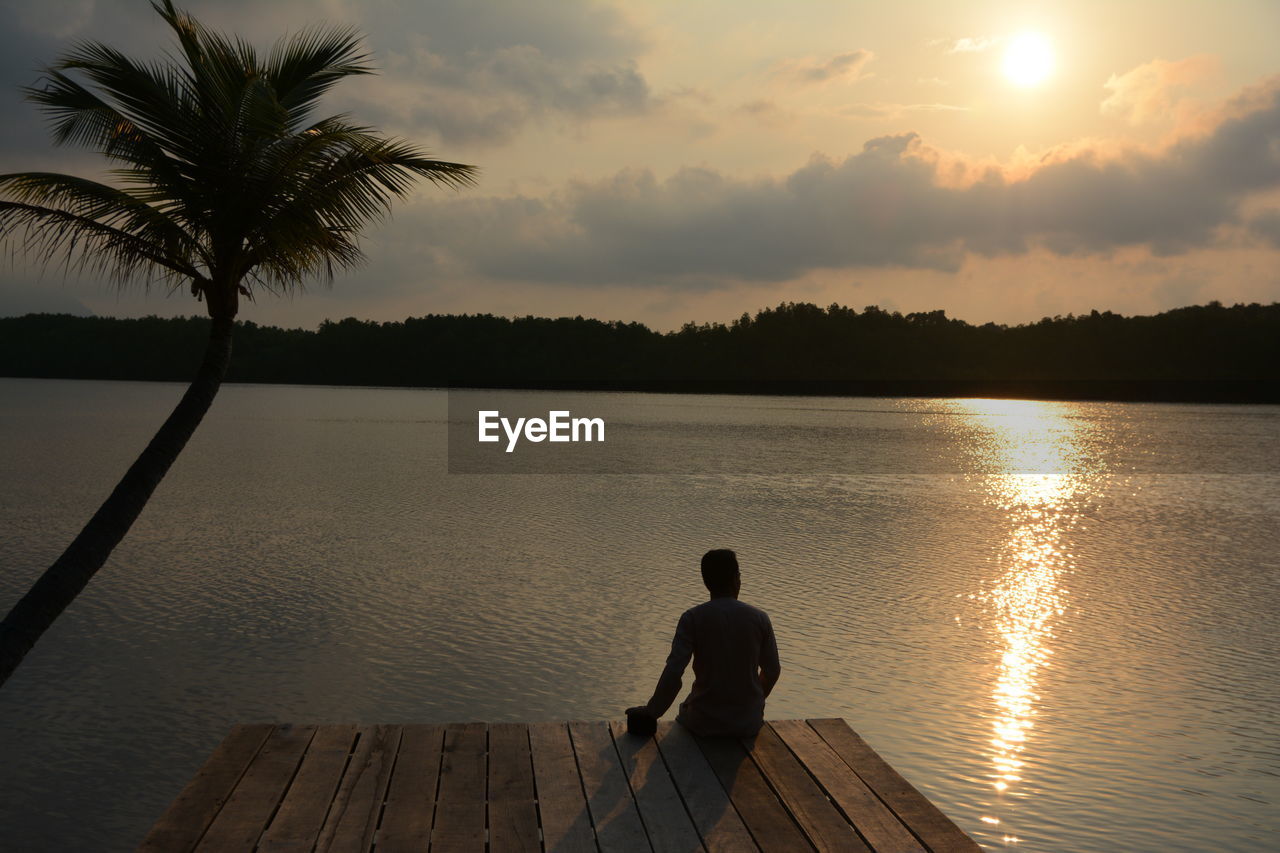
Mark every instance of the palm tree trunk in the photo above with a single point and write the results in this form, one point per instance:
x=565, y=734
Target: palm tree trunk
x=62, y=581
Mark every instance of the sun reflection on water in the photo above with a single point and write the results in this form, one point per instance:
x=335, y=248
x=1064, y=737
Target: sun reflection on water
x=1031, y=453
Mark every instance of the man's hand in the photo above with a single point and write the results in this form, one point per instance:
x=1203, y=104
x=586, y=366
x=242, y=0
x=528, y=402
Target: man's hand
x=641, y=722
x=767, y=680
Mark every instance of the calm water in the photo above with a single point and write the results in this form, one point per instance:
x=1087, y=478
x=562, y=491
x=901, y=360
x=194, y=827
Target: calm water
x=1058, y=620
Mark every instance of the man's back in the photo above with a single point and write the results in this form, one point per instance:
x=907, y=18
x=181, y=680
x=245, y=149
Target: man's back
x=735, y=661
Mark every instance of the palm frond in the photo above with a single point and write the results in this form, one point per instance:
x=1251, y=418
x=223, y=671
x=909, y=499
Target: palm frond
x=349, y=179
x=101, y=203
x=153, y=97
x=303, y=69
x=86, y=245
x=223, y=173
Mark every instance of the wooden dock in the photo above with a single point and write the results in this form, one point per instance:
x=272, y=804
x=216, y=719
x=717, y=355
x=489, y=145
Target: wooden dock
x=563, y=787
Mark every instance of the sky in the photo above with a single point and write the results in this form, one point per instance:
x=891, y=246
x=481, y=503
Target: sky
x=668, y=162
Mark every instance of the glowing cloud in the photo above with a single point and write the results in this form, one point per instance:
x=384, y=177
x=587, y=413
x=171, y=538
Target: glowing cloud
x=1151, y=91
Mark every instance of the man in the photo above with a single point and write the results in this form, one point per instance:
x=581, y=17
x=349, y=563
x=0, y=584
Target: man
x=735, y=659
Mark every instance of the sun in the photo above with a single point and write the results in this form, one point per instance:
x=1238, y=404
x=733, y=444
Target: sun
x=1028, y=60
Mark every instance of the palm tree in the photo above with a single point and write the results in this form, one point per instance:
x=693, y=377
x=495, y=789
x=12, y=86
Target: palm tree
x=224, y=182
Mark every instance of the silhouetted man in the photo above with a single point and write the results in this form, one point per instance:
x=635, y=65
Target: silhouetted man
x=735, y=658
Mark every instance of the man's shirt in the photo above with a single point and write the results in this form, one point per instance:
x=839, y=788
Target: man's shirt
x=731, y=643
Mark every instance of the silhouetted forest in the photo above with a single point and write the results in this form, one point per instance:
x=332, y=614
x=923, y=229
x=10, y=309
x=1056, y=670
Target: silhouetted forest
x=1207, y=352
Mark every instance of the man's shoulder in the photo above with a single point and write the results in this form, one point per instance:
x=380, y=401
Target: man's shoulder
x=732, y=605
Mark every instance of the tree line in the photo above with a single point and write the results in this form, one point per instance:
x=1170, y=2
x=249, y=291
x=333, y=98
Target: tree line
x=1200, y=352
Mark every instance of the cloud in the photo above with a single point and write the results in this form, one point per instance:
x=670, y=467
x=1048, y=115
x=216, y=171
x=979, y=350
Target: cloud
x=899, y=202
x=765, y=111
x=1151, y=91
x=1267, y=226
x=894, y=111
x=848, y=67
x=450, y=72
x=969, y=44
x=59, y=18
x=479, y=79
x=33, y=37
x=488, y=97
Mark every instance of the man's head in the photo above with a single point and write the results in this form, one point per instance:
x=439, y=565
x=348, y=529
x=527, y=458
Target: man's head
x=720, y=572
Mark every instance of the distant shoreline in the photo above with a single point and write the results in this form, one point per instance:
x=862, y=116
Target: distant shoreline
x=1198, y=354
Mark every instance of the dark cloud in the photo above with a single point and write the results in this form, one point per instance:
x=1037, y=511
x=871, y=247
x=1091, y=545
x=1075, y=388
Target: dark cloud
x=1267, y=226
x=460, y=71
x=489, y=97
x=23, y=52
x=897, y=203
x=576, y=31
x=470, y=74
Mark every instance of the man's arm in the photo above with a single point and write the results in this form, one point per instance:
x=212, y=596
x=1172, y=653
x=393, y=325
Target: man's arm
x=770, y=668
x=669, y=682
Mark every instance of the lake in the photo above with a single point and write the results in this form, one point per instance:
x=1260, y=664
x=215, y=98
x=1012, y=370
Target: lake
x=1058, y=620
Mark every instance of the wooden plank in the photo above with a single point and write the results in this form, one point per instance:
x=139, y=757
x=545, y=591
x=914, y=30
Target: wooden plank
x=302, y=812
x=513, y=816
x=240, y=822
x=186, y=819
x=669, y=826
x=923, y=818
x=411, y=794
x=357, y=804
x=562, y=806
x=817, y=816
x=613, y=809
x=797, y=785
x=879, y=826
x=713, y=814
x=769, y=822
x=460, y=812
